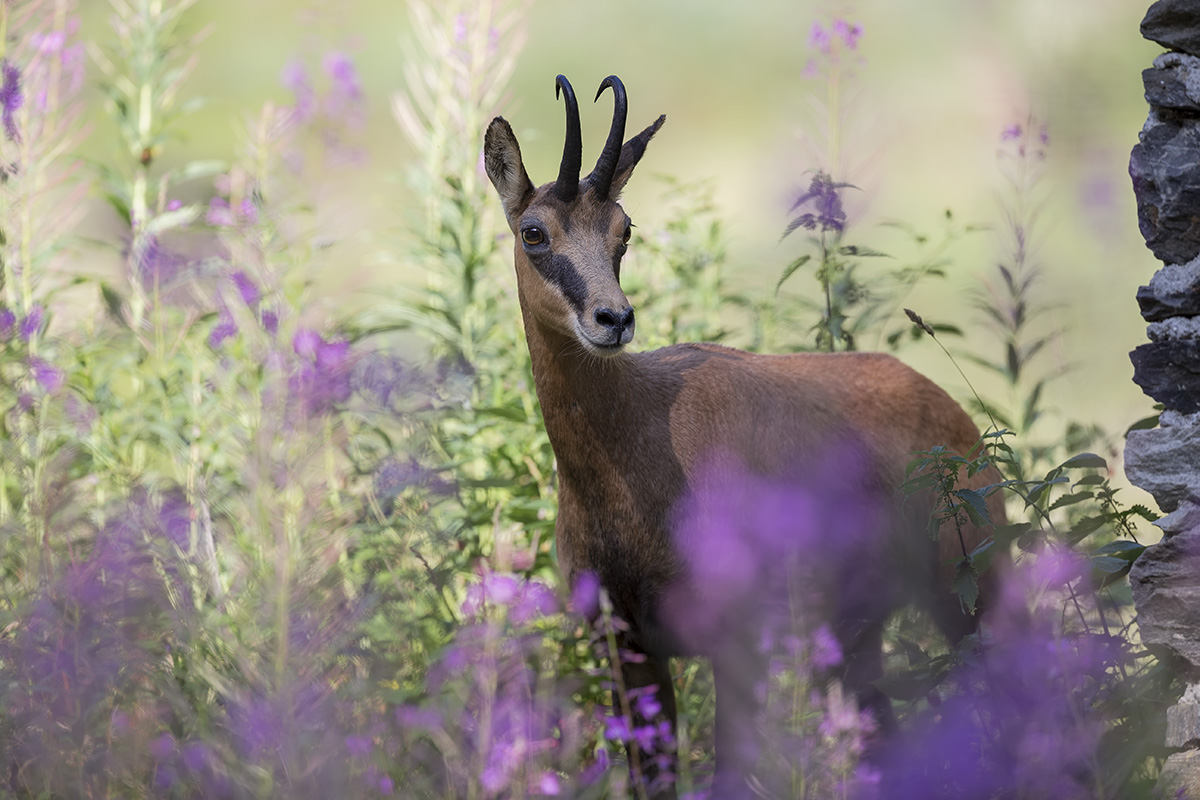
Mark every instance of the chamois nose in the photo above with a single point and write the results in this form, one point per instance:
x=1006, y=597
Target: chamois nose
x=614, y=321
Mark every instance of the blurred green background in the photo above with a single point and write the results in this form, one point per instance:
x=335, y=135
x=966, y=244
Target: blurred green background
x=935, y=84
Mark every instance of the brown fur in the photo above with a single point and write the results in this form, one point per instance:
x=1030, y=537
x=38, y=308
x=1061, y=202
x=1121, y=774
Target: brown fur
x=632, y=432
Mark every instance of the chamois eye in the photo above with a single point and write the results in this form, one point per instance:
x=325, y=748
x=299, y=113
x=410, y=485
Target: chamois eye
x=533, y=236
x=627, y=235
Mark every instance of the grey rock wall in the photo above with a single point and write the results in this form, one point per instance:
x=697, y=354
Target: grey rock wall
x=1165, y=170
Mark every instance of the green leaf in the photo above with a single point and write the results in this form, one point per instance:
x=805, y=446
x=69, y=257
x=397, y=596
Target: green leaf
x=1121, y=548
x=1144, y=424
x=975, y=505
x=791, y=268
x=1070, y=500
x=114, y=304
x=865, y=252
x=966, y=585
x=178, y=218
x=1084, y=461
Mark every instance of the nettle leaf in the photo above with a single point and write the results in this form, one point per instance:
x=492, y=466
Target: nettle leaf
x=1107, y=569
x=966, y=585
x=1086, y=527
x=1121, y=548
x=1084, y=461
x=865, y=252
x=1070, y=500
x=982, y=556
x=975, y=506
x=790, y=270
x=1144, y=424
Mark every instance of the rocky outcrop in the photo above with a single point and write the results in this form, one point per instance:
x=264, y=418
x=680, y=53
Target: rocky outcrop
x=1165, y=169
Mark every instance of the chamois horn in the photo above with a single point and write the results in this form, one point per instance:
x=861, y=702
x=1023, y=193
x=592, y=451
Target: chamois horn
x=567, y=185
x=606, y=166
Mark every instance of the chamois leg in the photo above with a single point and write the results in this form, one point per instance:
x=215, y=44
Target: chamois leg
x=739, y=676
x=862, y=653
x=651, y=695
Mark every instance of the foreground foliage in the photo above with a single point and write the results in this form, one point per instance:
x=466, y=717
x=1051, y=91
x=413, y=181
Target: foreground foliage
x=247, y=551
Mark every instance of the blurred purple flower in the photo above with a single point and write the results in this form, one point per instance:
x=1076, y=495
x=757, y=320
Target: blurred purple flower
x=8, y=321
x=49, y=377
x=32, y=323
x=322, y=378
x=1011, y=132
x=11, y=98
x=585, y=595
x=224, y=329
x=157, y=265
x=163, y=747
x=246, y=288
x=819, y=38
x=295, y=79
x=219, y=214
x=174, y=205
x=341, y=69
x=534, y=599
x=548, y=784
x=359, y=746
x=849, y=33
x=270, y=322
x=826, y=651
x=305, y=342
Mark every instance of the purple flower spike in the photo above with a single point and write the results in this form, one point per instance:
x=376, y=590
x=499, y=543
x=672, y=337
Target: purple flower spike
x=345, y=77
x=224, y=329
x=847, y=32
x=295, y=79
x=585, y=595
x=8, y=321
x=305, y=342
x=48, y=376
x=246, y=288
x=32, y=323
x=11, y=99
x=819, y=38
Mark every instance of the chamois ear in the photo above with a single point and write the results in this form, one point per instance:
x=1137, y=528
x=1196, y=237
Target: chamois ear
x=502, y=162
x=631, y=153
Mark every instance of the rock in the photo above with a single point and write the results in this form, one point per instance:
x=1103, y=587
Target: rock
x=1183, y=720
x=1166, y=591
x=1184, y=518
x=1173, y=82
x=1169, y=371
x=1175, y=24
x=1165, y=461
x=1165, y=169
x=1180, y=776
x=1174, y=291
x=1174, y=329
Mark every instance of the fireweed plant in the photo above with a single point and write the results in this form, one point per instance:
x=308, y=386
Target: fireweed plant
x=246, y=551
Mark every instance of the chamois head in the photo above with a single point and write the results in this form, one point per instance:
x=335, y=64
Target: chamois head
x=572, y=233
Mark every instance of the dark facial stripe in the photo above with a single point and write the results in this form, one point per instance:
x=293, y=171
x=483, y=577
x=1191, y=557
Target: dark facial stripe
x=559, y=270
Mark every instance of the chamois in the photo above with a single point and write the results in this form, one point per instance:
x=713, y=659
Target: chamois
x=634, y=434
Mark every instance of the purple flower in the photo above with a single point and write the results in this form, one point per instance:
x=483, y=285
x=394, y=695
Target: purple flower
x=48, y=376
x=246, y=288
x=585, y=595
x=163, y=747
x=819, y=38
x=826, y=651
x=295, y=79
x=305, y=342
x=8, y=321
x=359, y=746
x=847, y=32
x=174, y=205
x=533, y=600
x=219, y=215
x=32, y=323
x=270, y=322
x=224, y=329
x=11, y=98
x=345, y=77
x=548, y=784
x=1011, y=132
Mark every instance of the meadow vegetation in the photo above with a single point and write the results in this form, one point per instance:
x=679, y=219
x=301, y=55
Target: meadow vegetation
x=246, y=551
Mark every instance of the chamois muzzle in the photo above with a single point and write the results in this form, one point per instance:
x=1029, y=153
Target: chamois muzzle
x=567, y=185
x=618, y=325
x=606, y=165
